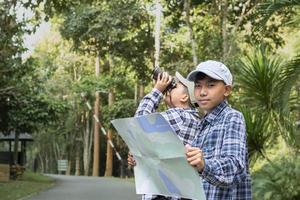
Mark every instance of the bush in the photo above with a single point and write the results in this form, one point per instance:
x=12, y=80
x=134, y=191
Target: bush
x=278, y=180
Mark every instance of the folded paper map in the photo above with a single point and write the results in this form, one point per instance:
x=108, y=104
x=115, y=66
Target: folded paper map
x=161, y=167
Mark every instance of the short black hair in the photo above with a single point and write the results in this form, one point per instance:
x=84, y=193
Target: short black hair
x=200, y=76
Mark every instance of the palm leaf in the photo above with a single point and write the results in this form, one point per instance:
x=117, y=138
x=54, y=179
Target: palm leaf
x=258, y=136
x=268, y=8
x=266, y=84
x=271, y=6
x=288, y=77
x=258, y=79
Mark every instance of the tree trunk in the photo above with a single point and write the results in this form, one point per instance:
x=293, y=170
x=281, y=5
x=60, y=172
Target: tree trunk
x=47, y=163
x=225, y=45
x=96, y=124
x=56, y=151
x=41, y=163
x=16, y=147
x=90, y=147
x=87, y=143
x=77, y=161
x=109, y=150
x=68, y=172
x=158, y=17
x=141, y=91
x=187, y=4
x=136, y=96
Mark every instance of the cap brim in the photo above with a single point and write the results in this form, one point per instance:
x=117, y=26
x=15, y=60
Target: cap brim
x=192, y=75
x=182, y=79
x=189, y=84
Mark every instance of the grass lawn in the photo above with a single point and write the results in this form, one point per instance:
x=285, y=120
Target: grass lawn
x=30, y=183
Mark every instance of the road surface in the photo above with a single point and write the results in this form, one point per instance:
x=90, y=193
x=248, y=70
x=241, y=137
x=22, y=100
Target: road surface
x=88, y=188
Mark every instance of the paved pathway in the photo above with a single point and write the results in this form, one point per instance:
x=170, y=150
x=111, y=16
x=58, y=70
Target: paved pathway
x=88, y=188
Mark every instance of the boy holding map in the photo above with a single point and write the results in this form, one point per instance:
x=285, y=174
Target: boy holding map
x=219, y=151
x=181, y=115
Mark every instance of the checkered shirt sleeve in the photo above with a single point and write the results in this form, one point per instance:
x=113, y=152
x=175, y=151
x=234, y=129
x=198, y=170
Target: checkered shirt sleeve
x=184, y=122
x=149, y=103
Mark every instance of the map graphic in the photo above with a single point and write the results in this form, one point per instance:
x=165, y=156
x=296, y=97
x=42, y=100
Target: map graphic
x=161, y=167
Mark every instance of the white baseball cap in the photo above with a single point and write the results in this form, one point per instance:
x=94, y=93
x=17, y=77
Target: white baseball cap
x=213, y=69
x=190, y=86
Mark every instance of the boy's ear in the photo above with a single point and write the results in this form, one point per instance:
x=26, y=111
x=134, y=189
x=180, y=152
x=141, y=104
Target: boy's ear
x=184, y=98
x=227, y=90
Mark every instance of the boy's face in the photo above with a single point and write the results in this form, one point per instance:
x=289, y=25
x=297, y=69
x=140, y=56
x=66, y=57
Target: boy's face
x=177, y=96
x=210, y=92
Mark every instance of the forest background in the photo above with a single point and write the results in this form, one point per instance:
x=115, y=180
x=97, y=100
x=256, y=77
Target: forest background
x=103, y=52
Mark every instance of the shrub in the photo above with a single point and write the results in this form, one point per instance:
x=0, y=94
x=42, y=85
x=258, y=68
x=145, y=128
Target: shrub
x=278, y=180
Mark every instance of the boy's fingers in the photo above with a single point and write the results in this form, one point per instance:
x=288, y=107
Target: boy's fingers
x=193, y=158
x=130, y=159
x=190, y=148
x=186, y=147
x=195, y=162
x=160, y=75
x=166, y=76
x=169, y=79
x=131, y=162
x=193, y=152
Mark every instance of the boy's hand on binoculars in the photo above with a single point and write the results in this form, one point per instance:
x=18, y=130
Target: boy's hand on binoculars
x=163, y=80
x=130, y=160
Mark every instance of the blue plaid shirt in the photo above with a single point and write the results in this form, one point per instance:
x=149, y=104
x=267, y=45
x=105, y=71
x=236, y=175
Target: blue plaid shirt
x=184, y=121
x=222, y=138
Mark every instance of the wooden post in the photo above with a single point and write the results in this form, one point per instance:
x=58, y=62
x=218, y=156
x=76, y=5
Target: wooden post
x=109, y=151
x=16, y=147
x=96, y=125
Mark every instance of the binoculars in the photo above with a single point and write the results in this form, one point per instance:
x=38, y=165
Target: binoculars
x=158, y=71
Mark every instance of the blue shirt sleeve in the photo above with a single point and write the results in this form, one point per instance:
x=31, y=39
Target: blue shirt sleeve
x=149, y=103
x=174, y=116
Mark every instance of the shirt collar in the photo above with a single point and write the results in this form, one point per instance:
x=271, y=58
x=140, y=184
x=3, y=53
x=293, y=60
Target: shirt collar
x=192, y=110
x=210, y=117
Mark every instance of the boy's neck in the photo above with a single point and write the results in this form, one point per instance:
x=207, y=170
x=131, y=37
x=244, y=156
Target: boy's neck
x=184, y=106
x=209, y=111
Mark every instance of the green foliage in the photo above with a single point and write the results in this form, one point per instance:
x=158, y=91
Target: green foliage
x=272, y=17
x=258, y=135
x=28, y=113
x=267, y=78
x=270, y=7
x=121, y=109
x=279, y=180
x=11, y=32
x=117, y=28
x=22, y=109
x=289, y=77
x=265, y=84
x=207, y=33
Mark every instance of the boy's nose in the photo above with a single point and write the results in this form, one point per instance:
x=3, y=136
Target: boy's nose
x=203, y=92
